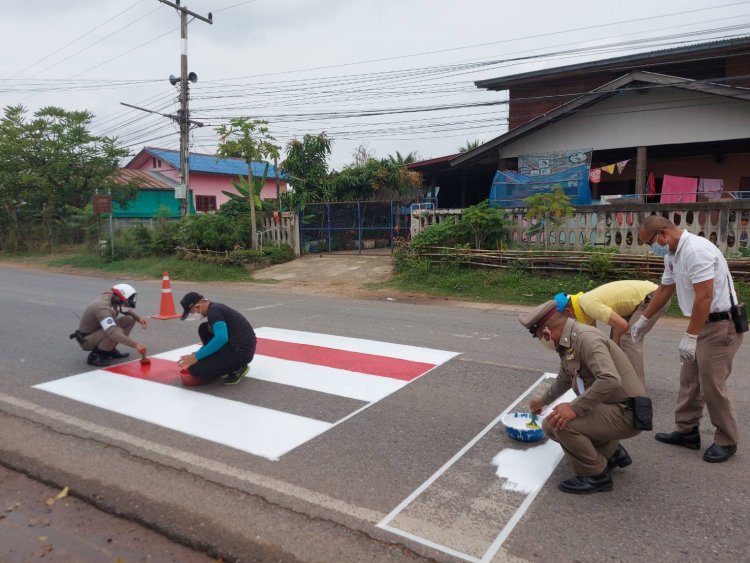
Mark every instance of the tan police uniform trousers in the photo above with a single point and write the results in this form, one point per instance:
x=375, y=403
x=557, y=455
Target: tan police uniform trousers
x=589, y=441
x=99, y=339
x=634, y=350
x=704, y=380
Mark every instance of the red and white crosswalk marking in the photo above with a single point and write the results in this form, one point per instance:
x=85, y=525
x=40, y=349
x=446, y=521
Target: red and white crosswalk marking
x=364, y=370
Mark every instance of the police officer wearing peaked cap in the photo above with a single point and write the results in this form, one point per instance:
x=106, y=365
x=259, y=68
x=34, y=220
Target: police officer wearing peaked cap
x=589, y=428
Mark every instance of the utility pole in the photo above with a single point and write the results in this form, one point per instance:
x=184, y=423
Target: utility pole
x=184, y=114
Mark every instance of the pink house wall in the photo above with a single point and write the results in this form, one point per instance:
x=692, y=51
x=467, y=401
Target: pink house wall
x=213, y=184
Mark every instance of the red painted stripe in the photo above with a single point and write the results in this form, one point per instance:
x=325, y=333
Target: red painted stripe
x=372, y=364
x=160, y=371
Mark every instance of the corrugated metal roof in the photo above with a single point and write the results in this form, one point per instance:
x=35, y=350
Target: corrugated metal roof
x=144, y=179
x=212, y=164
x=503, y=82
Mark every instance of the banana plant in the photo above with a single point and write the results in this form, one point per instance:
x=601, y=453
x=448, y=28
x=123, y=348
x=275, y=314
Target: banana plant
x=243, y=190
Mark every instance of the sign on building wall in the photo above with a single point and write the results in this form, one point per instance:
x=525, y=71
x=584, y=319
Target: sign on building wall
x=545, y=164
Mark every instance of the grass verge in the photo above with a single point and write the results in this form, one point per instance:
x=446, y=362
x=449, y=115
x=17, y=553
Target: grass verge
x=503, y=286
x=144, y=268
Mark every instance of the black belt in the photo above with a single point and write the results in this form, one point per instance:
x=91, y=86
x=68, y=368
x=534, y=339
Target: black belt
x=715, y=317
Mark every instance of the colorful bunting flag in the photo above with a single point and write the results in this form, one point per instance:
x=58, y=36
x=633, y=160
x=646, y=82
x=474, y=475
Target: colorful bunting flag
x=621, y=165
x=609, y=169
x=595, y=175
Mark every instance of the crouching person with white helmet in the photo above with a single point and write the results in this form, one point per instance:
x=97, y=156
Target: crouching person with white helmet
x=105, y=324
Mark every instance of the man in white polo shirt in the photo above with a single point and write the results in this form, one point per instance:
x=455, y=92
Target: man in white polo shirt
x=699, y=272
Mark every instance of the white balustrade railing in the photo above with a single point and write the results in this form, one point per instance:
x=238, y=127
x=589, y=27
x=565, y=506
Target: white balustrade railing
x=726, y=223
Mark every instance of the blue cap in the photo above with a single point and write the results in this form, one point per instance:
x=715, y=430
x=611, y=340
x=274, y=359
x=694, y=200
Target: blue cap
x=561, y=299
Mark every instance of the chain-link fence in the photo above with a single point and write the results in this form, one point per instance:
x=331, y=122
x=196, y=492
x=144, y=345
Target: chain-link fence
x=353, y=227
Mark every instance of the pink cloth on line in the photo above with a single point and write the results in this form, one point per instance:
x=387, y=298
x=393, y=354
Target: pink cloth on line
x=711, y=188
x=678, y=189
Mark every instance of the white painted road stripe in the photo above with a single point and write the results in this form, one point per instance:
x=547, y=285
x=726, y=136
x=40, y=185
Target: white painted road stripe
x=256, y=430
x=387, y=349
x=340, y=382
x=508, y=528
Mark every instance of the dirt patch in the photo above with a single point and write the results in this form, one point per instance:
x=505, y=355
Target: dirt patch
x=339, y=274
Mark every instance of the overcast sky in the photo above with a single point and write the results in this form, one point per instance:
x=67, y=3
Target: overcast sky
x=317, y=65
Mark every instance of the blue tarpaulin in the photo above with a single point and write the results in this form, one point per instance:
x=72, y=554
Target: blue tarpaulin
x=510, y=189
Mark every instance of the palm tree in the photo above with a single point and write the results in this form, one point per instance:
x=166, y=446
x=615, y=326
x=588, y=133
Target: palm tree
x=401, y=160
x=469, y=146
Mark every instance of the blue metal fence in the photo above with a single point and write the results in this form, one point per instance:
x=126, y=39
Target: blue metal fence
x=355, y=227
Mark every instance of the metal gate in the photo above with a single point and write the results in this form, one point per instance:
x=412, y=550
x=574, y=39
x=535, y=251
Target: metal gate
x=357, y=227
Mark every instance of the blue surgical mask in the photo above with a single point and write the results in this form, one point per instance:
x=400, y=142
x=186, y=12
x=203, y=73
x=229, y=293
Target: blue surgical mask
x=659, y=249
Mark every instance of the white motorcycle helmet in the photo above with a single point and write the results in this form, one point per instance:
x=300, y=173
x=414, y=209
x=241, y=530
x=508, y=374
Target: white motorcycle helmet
x=126, y=293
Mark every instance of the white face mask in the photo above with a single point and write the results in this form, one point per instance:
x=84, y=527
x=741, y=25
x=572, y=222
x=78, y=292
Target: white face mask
x=194, y=317
x=546, y=340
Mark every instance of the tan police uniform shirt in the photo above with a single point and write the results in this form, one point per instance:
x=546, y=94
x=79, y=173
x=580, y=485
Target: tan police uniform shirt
x=594, y=367
x=101, y=315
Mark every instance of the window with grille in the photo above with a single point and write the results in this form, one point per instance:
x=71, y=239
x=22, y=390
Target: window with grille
x=205, y=203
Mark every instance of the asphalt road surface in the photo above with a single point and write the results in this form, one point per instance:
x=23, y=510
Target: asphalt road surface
x=413, y=473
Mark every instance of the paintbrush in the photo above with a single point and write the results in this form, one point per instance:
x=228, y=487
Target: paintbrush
x=144, y=360
x=533, y=424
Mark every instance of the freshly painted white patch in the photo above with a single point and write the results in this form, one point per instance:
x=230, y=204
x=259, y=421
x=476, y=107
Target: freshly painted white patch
x=526, y=471
x=534, y=483
x=400, y=351
x=256, y=430
x=340, y=382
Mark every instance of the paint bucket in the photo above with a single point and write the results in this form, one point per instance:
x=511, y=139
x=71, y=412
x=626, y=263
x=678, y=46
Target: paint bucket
x=515, y=425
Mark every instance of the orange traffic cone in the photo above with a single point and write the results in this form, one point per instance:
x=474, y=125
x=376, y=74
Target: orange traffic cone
x=166, y=310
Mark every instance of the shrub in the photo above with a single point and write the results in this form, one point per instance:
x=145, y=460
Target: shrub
x=279, y=254
x=445, y=233
x=210, y=231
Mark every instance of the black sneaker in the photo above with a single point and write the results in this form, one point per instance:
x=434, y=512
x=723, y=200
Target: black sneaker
x=236, y=376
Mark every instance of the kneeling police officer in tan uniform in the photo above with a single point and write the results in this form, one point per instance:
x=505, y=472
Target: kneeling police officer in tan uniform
x=590, y=427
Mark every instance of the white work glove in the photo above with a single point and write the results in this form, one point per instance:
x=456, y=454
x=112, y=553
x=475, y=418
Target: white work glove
x=637, y=328
x=687, y=347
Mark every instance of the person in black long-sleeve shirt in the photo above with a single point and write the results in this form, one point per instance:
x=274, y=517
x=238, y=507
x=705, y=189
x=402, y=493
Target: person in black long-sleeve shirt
x=228, y=343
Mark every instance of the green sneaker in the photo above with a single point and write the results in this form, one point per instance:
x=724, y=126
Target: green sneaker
x=236, y=376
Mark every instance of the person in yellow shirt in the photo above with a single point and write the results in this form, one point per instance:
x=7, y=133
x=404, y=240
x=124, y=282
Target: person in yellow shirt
x=619, y=304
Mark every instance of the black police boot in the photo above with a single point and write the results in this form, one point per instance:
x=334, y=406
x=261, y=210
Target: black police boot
x=691, y=440
x=115, y=354
x=587, y=484
x=620, y=458
x=96, y=358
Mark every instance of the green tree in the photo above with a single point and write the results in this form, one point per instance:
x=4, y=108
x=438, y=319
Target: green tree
x=550, y=209
x=306, y=166
x=376, y=179
x=248, y=139
x=51, y=164
x=484, y=224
